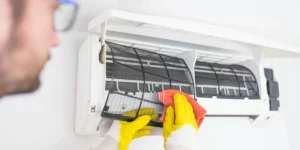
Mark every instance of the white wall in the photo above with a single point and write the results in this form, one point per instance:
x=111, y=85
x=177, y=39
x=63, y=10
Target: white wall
x=289, y=73
x=45, y=120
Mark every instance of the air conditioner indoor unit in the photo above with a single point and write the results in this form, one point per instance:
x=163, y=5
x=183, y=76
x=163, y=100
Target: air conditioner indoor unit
x=128, y=58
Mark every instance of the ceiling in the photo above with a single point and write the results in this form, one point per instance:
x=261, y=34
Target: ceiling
x=275, y=19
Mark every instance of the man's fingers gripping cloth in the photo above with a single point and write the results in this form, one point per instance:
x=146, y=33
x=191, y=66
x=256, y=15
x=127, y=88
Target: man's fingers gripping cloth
x=180, y=127
x=167, y=98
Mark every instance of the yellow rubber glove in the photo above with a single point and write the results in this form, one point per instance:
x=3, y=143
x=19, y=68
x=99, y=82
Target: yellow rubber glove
x=122, y=133
x=180, y=126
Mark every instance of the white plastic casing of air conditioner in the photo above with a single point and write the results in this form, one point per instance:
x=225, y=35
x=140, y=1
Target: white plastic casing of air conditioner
x=180, y=38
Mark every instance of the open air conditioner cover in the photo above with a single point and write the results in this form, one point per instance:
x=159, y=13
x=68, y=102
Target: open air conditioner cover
x=135, y=76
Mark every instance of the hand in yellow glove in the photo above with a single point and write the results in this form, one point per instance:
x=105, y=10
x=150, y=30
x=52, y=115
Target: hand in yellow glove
x=122, y=133
x=180, y=126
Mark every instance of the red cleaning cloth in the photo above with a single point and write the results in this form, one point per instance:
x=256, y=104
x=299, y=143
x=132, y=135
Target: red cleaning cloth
x=166, y=97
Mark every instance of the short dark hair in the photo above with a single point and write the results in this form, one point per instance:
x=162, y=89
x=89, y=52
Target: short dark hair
x=18, y=7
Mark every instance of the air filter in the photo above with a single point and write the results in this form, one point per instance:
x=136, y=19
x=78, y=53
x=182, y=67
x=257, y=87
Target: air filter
x=225, y=81
x=134, y=77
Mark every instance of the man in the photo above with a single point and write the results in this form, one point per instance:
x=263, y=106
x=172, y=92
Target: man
x=27, y=32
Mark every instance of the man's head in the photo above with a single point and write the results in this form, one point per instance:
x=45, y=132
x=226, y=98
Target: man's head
x=27, y=33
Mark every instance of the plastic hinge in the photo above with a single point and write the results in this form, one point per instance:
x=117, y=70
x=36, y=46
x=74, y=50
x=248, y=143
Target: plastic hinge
x=274, y=104
x=269, y=74
x=273, y=89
